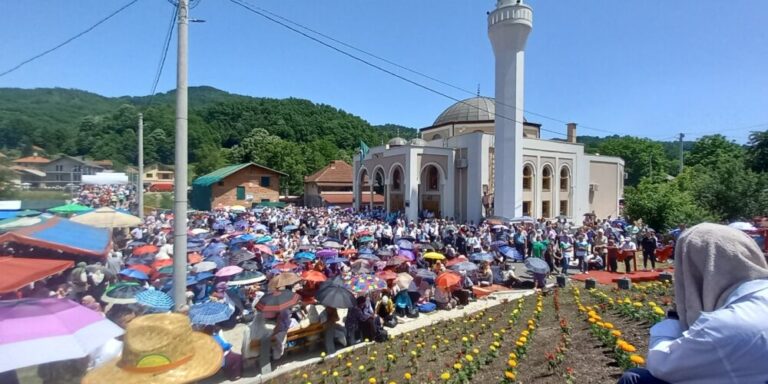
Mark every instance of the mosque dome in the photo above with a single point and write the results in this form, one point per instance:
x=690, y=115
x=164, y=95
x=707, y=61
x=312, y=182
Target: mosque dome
x=416, y=142
x=469, y=110
x=397, y=142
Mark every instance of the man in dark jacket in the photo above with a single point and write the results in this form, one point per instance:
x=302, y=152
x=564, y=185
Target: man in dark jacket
x=649, y=243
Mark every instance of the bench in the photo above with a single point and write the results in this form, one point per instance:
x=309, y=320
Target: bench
x=299, y=337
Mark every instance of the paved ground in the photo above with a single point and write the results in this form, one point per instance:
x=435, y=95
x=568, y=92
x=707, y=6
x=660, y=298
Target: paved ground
x=298, y=360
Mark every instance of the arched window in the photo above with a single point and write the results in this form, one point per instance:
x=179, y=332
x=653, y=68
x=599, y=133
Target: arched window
x=432, y=178
x=564, y=179
x=546, y=179
x=397, y=179
x=527, y=178
x=378, y=186
x=437, y=136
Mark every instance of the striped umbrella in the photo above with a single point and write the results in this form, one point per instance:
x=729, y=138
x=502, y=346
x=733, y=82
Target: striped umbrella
x=277, y=301
x=122, y=293
x=210, y=313
x=156, y=300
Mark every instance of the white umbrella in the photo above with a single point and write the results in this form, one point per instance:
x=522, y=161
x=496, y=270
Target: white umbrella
x=204, y=266
x=742, y=226
x=107, y=218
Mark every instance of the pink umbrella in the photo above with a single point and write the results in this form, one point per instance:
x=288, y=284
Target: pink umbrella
x=264, y=249
x=229, y=270
x=37, y=331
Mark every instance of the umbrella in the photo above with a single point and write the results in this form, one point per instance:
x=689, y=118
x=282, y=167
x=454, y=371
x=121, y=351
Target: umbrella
x=264, y=249
x=167, y=270
x=156, y=300
x=147, y=270
x=204, y=266
x=481, y=256
x=362, y=284
x=407, y=254
x=240, y=255
x=71, y=209
x=536, y=265
x=326, y=253
x=161, y=263
x=451, y=228
x=403, y=280
x=384, y=253
x=227, y=271
x=495, y=220
x=395, y=261
x=386, y=275
x=404, y=244
x=194, y=258
x=365, y=250
x=145, y=250
x=743, y=226
x=332, y=244
x=243, y=239
x=465, y=266
x=135, y=274
x=121, y=293
x=210, y=313
x=213, y=249
x=336, y=260
x=456, y=260
x=348, y=252
x=247, y=278
x=278, y=301
x=263, y=239
x=369, y=257
x=510, y=253
x=313, y=276
x=304, y=256
x=107, y=218
x=203, y=276
x=199, y=231
x=333, y=295
x=286, y=266
x=434, y=256
x=37, y=331
x=367, y=239
x=523, y=219
x=259, y=227
x=425, y=274
x=283, y=280
x=499, y=227
x=237, y=208
x=448, y=279
x=290, y=228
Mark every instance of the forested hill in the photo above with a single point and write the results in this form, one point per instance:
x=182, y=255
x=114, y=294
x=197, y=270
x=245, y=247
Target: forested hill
x=302, y=136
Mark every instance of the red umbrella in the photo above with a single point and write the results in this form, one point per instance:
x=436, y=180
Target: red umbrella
x=145, y=250
x=448, y=279
x=286, y=266
x=142, y=268
x=264, y=249
x=194, y=258
x=162, y=263
x=386, y=275
x=397, y=260
x=348, y=252
x=314, y=276
x=456, y=260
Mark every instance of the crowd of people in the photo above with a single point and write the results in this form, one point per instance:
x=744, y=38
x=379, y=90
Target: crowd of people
x=357, y=273
x=119, y=197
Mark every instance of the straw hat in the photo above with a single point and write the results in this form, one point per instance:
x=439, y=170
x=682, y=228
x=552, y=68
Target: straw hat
x=161, y=349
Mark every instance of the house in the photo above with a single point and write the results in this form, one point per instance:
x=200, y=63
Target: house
x=239, y=184
x=106, y=164
x=32, y=162
x=158, y=173
x=68, y=170
x=332, y=185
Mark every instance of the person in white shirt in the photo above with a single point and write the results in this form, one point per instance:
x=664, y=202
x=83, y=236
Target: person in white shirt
x=628, y=247
x=719, y=333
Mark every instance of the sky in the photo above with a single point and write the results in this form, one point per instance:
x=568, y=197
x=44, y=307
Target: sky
x=647, y=68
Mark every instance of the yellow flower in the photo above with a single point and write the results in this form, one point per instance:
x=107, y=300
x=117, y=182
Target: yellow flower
x=476, y=351
x=637, y=359
x=464, y=339
x=495, y=334
x=393, y=382
x=525, y=333
x=509, y=375
x=637, y=304
x=457, y=366
x=413, y=353
x=361, y=368
x=407, y=376
x=305, y=376
x=434, y=347
x=322, y=355
x=390, y=357
x=445, y=376
x=658, y=311
x=512, y=363
x=325, y=373
x=626, y=347
x=592, y=320
x=600, y=324
x=335, y=374
x=490, y=319
x=372, y=380
x=607, y=325
x=469, y=358
x=497, y=344
x=512, y=355
x=372, y=358
x=651, y=303
x=523, y=339
x=591, y=313
x=616, y=333
x=492, y=348
x=349, y=364
x=519, y=344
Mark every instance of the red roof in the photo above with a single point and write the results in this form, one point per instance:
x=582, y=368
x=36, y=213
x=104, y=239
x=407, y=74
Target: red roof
x=339, y=198
x=33, y=159
x=20, y=272
x=337, y=172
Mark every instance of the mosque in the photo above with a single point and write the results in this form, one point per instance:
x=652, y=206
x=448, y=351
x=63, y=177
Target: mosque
x=481, y=157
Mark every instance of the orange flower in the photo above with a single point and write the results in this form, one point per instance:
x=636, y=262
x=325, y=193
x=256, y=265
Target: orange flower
x=637, y=359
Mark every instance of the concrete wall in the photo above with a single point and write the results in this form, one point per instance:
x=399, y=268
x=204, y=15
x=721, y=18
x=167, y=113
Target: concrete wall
x=250, y=178
x=607, y=178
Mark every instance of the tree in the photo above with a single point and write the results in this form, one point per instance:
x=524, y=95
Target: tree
x=728, y=189
x=757, y=151
x=711, y=150
x=662, y=205
x=641, y=156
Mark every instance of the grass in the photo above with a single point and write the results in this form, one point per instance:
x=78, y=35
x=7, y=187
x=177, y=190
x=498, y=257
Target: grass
x=161, y=200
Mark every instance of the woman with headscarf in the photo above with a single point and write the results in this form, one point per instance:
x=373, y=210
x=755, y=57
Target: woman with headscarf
x=719, y=334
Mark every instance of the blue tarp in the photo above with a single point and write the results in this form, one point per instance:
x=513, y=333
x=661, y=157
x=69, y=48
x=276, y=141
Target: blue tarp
x=61, y=234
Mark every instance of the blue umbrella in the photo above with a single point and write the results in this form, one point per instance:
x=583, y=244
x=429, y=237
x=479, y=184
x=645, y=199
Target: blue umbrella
x=365, y=250
x=263, y=239
x=481, y=256
x=369, y=256
x=203, y=276
x=464, y=266
x=367, y=239
x=335, y=260
x=290, y=228
x=426, y=274
x=536, y=265
x=243, y=239
x=510, y=253
x=132, y=273
x=213, y=249
x=156, y=300
x=305, y=255
x=218, y=260
x=404, y=244
x=210, y=313
x=260, y=227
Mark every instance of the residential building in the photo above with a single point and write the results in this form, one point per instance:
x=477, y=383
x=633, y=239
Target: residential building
x=331, y=185
x=240, y=184
x=68, y=170
x=158, y=173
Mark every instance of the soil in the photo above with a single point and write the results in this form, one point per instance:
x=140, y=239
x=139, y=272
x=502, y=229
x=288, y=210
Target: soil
x=585, y=358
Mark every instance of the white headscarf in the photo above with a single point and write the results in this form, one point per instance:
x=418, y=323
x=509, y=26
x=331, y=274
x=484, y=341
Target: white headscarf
x=711, y=261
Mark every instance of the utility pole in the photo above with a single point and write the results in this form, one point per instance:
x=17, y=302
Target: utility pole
x=140, y=189
x=180, y=179
x=681, y=152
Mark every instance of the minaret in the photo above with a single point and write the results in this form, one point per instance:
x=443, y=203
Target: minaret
x=508, y=28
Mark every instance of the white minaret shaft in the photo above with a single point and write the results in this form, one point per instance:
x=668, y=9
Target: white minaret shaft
x=508, y=28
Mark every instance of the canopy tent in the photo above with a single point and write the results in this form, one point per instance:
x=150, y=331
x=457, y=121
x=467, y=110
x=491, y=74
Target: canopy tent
x=107, y=218
x=70, y=209
x=20, y=272
x=60, y=234
x=19, y=222
x=106, y=178
x=11, y=214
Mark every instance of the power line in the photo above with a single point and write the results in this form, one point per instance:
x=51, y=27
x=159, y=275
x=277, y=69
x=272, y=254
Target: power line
x=164, y=54
x=71, y=39
x=357, y=58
